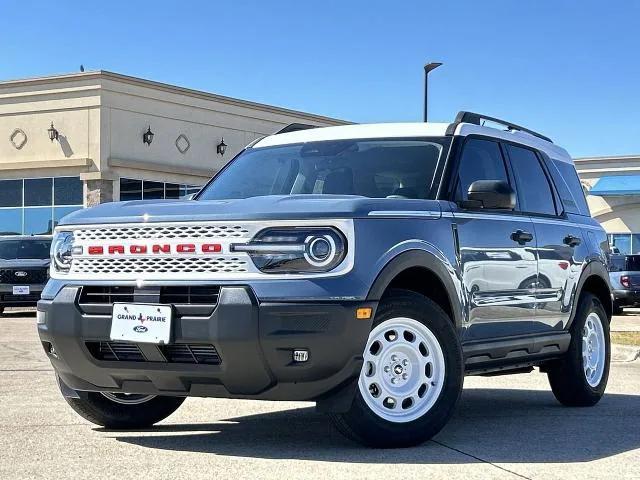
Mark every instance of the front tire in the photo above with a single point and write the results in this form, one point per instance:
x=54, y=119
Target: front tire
x=411, y=378
x=121, y=411
x=580, y=379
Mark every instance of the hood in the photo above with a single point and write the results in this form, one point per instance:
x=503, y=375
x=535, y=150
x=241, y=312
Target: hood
x=275, y=207
x=24, y=263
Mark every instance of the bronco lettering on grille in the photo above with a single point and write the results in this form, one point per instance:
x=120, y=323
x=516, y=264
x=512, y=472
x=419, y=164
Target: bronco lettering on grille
x=182, y=248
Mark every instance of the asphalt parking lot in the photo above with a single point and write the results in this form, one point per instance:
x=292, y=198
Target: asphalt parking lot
x=505, y=427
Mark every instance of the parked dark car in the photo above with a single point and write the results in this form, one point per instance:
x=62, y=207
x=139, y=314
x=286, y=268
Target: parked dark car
x=24, y=270
x=624, y=273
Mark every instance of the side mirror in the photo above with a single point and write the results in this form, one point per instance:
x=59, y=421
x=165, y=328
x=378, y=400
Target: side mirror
x=491, y=194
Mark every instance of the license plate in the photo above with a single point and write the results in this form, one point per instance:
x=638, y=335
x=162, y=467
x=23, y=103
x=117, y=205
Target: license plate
x=21, y=290
x=136, y=322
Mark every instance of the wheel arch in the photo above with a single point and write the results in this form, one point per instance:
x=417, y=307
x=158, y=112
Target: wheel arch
x=421, y=272
x=595, y=280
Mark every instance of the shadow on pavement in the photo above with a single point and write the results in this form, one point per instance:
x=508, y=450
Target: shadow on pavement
x=496, y=425
x=18, y=314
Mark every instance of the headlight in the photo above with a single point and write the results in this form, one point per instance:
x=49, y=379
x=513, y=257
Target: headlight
x=296, y=250
x=61, y=251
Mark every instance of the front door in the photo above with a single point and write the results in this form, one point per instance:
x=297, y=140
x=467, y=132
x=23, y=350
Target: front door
x=496, y=251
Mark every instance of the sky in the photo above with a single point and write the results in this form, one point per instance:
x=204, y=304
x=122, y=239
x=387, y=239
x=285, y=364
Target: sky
x=569, y=69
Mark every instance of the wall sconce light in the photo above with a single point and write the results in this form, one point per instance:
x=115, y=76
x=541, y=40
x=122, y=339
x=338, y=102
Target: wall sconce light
x=53, y=133
x=147, y=137
x=221, y=148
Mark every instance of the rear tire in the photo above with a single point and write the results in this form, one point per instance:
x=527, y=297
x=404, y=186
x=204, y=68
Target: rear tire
x=411, y=378
x=617, y=309
x=109, y=412
x=580, y=379
x=1, y=311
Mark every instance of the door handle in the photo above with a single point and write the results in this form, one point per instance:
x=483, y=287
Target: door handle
x=521, y=237
x=572, y=240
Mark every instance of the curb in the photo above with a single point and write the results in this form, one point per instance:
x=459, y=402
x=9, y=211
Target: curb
x=624, y=353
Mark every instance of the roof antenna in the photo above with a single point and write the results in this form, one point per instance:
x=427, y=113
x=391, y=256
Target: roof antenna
x=427, y=69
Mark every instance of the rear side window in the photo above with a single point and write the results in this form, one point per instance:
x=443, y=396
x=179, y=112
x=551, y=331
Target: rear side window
x=480, y=160
x=569, y=187
x=533, y=187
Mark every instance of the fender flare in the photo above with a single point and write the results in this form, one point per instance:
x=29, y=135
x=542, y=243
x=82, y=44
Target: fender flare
x=422, y=259
x=593, y=268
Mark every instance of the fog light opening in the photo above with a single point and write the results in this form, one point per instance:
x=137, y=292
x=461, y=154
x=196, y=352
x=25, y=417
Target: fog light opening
x=49, y=349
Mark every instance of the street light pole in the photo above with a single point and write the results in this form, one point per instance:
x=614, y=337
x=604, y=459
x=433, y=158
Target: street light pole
x=427, y=69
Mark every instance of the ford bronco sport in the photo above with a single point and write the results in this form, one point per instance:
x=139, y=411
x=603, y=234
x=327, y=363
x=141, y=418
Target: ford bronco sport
x=366, y=268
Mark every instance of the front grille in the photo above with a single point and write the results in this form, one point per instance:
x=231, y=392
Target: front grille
x=158, y=266
x=191, y=353
x=10, y=298
x=33, y=276
x=107, y=295
x=196, y=300
x=190, y=295
x=116, y=351
x=158, y=232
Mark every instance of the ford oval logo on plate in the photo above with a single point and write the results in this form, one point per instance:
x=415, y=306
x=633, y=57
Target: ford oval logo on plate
x=140, y=329
x=20, y=274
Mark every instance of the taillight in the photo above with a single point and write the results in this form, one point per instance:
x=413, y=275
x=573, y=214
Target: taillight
x=625, y=281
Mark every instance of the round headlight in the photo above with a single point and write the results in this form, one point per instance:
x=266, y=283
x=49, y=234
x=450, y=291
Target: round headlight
x=320, y=251
x=296, y=249
x=62, y=250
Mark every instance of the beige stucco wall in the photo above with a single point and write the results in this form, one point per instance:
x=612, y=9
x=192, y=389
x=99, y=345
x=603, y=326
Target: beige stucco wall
x=101, y=117
x=617, y=214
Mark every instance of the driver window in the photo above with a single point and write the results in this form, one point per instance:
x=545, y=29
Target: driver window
x=480, y=160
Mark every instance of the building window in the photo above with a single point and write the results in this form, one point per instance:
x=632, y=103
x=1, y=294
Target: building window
x=152, y=190
x=132, y=189
x=626, y=243
x=34, y=206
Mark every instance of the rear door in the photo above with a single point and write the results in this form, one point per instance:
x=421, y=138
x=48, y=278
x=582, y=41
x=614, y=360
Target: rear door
x=559, y=244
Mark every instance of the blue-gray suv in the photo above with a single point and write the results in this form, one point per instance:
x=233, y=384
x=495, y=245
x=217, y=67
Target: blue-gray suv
x=367, y=268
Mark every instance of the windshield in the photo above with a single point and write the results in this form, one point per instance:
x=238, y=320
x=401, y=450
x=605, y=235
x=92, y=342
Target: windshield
x=401, y=168
x=24, y=249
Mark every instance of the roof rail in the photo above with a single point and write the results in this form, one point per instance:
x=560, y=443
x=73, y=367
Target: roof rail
x=295, y=127
x=477, y=118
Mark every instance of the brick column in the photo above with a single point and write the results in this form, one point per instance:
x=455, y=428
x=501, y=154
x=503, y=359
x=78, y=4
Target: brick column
x=97, y=192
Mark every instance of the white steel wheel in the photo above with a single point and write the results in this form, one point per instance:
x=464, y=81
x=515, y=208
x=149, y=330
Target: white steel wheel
x=594, y=349
x=404, y=370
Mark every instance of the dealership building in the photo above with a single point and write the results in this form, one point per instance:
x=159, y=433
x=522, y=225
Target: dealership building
x=73, y=141
x=613, y=194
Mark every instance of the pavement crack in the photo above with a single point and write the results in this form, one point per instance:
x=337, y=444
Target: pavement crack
x=480, y=459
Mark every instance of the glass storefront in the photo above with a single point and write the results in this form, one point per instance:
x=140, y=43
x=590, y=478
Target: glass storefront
x=34, y=206
x=627, y=243
x=133, y=189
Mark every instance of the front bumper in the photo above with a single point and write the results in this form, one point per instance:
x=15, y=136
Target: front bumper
x=254, y=340
x=8, y=299
x=626, y=297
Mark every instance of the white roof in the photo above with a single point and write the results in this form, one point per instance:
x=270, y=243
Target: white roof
x=408, y=130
